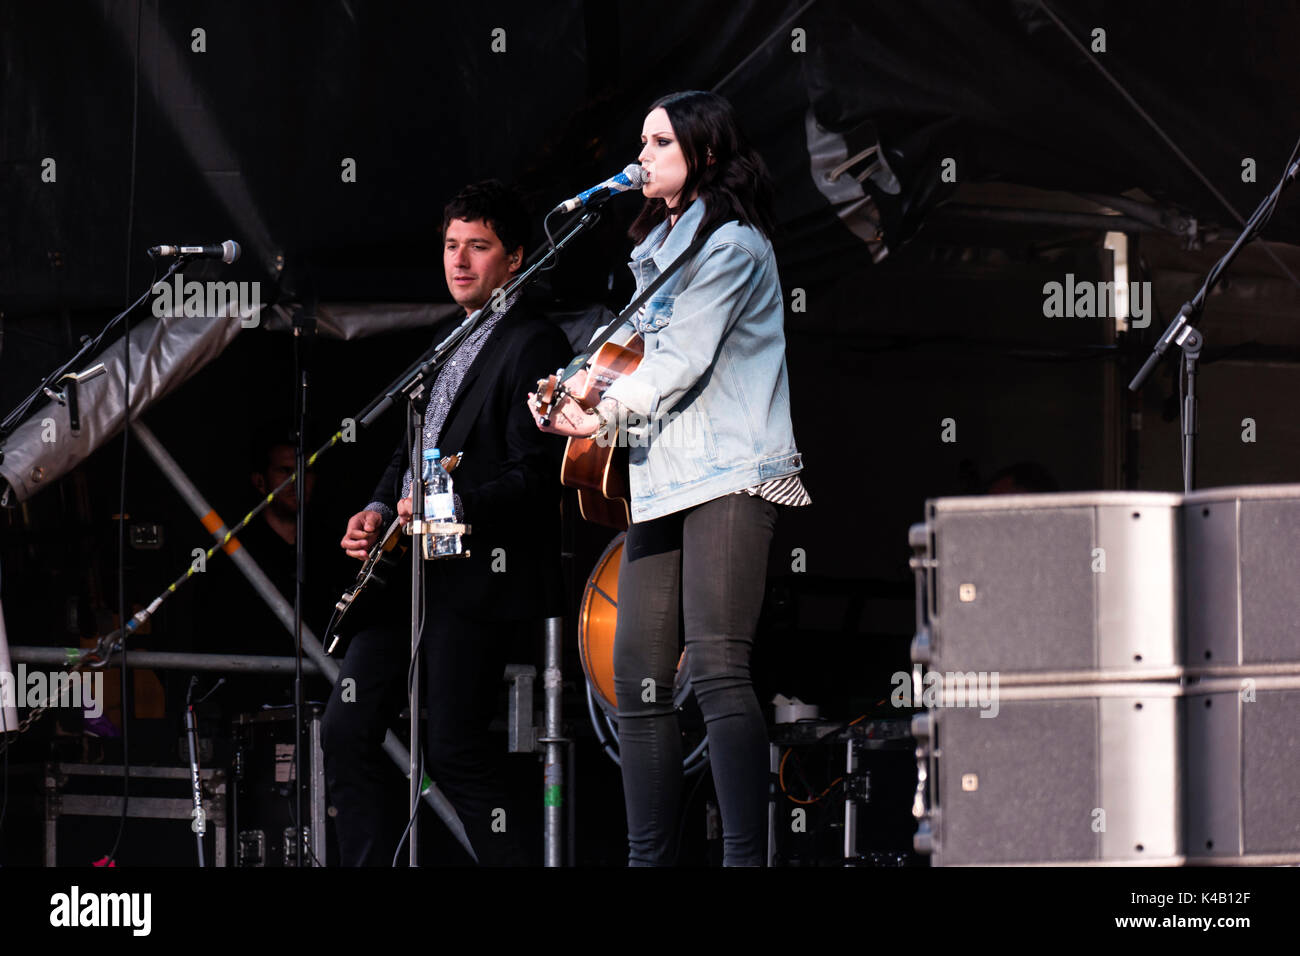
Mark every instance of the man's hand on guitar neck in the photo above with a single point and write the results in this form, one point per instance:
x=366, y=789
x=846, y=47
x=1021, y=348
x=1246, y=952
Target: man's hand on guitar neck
x=363, y=531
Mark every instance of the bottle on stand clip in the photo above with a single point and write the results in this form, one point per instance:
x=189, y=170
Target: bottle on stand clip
x=439, y=506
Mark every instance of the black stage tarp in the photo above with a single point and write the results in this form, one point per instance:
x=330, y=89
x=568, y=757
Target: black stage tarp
x=248, y=138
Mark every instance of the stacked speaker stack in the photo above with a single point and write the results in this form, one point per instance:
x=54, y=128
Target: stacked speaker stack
x=1114, y=678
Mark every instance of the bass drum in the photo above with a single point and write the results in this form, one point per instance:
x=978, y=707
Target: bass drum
x=597, y=621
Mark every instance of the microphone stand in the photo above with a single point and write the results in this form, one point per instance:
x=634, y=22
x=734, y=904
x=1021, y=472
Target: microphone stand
x=414, y=444
x=61, y=374
x=199, y=823
x=304, y=328
x=412, y=384
x=196, y=784
x=1190, y=339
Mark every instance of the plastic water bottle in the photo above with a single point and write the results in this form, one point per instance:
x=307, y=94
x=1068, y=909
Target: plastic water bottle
x=439, y=502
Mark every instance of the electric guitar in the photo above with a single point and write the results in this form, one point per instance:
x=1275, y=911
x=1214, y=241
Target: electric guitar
x=597, y=469
x=383, y=557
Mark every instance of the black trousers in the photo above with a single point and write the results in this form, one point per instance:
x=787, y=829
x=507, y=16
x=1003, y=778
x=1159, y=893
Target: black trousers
x=710, y=564
x=465, y=661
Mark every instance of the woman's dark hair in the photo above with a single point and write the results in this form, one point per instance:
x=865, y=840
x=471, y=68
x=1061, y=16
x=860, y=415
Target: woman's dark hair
x=495, y=203
x=736, y=185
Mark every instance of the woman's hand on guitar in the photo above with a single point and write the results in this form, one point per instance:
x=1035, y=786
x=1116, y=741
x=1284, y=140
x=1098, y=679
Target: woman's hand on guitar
x=362, y=533
x=568, y=418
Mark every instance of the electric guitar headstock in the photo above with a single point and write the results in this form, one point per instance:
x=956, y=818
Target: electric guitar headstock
x=388, y=549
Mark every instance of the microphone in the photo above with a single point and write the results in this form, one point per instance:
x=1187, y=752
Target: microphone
x=632, y=177
x=227, y=252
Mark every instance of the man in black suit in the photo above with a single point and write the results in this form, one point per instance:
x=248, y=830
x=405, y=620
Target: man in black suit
x=507, y=489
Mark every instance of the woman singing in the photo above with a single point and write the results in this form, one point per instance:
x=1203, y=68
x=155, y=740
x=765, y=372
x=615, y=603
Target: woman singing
x=713, y=456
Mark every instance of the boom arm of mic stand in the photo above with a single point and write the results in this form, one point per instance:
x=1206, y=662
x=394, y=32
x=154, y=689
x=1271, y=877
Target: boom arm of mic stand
x=1193, y=308
x=15, y=417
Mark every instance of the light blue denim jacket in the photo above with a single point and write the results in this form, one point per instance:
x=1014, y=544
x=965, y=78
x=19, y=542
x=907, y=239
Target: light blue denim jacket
x=710, y=402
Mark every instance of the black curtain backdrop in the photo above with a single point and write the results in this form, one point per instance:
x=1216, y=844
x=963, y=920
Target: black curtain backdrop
x=247, y=139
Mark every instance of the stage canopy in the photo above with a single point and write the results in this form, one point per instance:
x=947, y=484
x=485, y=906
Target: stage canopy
x=251, y=114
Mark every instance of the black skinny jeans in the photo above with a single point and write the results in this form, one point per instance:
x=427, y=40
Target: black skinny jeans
x=709, y=562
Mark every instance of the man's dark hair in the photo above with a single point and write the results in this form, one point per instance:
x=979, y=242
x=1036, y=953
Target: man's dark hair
x=495, y=203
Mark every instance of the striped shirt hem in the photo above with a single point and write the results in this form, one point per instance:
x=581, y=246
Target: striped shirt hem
x=781, y=491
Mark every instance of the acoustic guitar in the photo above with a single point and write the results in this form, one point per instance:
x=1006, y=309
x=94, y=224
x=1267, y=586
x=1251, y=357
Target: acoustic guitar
x=596, y=468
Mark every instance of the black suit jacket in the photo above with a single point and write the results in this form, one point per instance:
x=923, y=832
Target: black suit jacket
x=508, y=481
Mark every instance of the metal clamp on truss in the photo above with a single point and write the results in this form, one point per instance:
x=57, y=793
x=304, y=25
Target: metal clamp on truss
x=65, y=393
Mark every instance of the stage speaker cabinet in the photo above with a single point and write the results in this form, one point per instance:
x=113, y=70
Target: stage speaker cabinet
x=1073, y=774
x=1242, y=567
x=1135, y=774
x=1150, y=718
x=1243, y=770
x=1051, y=584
